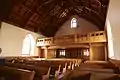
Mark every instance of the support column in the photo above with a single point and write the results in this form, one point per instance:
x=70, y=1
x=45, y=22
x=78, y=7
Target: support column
x=46, y=52
x=91, y=53
x=39, y=51
x=106, y=52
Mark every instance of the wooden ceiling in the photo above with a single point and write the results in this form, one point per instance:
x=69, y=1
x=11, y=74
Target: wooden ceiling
x=46, y=16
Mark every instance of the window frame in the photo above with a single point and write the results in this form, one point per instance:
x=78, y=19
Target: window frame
x=74, y=23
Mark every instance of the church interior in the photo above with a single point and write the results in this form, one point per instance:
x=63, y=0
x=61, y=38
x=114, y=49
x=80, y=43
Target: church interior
x=59, y=40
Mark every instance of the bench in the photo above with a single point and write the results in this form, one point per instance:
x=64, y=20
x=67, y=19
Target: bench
x=10, y=73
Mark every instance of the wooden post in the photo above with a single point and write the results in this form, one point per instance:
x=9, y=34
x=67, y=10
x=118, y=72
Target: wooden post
x=91, y=53
x=46, y=52
x=106, y=53
x=39, y=51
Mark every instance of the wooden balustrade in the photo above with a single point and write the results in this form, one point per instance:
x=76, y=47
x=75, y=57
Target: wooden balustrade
x=44, y=41
x=98, y=36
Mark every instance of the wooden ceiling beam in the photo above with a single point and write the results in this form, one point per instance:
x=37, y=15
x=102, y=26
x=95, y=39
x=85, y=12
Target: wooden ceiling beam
x=53, y=13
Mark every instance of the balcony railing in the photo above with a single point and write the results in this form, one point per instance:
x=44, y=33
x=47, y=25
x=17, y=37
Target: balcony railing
x=93, y=37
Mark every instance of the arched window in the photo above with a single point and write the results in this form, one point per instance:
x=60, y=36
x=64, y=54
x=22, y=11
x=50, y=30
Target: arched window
x=73, y=23
x=28, y=45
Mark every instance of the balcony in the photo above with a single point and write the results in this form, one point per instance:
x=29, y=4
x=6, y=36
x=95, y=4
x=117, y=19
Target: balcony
x=93, y=37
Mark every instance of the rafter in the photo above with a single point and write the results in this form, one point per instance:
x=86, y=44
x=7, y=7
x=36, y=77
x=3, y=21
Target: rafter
x=48, y=15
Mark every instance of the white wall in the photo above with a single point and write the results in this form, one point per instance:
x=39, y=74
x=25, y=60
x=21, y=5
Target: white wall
x=84, y=26
x=113, y=17
x=11, y=39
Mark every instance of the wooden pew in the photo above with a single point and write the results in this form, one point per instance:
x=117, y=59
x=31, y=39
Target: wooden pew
x=116, y=63
x=103, y=64
x=87, y=75
x=96, y=70
x=39, y=71
x=10, y=73
x=45, y=65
